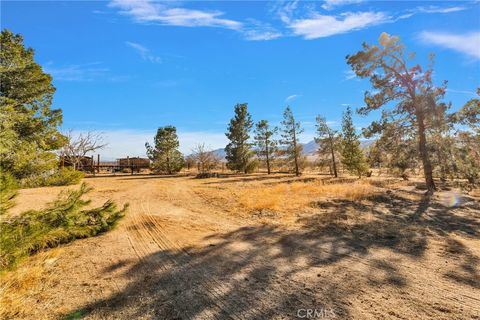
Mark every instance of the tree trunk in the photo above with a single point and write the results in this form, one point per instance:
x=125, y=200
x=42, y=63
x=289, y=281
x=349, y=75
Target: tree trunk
x=295, y=151
x=333, y=159
x=422, y=145
x=268, y=159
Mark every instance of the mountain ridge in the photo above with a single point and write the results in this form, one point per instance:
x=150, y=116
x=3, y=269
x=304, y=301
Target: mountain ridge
x=309, y=148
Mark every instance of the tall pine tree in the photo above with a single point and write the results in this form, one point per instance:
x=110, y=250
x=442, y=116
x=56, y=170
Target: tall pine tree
x=290, y=132
x=238, y=150
x=352, y=155
x=265, y=142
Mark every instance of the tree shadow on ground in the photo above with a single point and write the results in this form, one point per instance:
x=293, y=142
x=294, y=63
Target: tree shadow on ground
x=236, y=178
x=265, y=272
x=155, y=176
x=249, y=273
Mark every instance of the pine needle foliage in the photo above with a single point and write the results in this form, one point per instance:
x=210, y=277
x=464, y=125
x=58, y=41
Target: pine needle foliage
x=65, y=220
x=238, y=150
x=353, y=158
x=8, y=191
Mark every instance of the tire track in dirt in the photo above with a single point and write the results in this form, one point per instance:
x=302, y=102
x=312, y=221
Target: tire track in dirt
x=216, y=289
x=247, y=310
x=142, y=238
x=210, y=285
x=140, y=243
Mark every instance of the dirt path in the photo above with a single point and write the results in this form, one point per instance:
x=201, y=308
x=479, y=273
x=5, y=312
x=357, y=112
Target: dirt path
x=177, y=255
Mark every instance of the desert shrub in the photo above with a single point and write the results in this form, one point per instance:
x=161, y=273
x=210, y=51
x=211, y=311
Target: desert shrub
x=251, y=166
x=64, y=177
x=63, y=221
x=60, y=177
x=206, y=175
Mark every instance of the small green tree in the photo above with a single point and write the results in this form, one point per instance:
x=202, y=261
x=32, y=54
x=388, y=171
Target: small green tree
x=28, y=126
x=290, y=132
x=238, y=150
x=265, y=142
x=164, y=154
x=352, y=155
x=327, y=140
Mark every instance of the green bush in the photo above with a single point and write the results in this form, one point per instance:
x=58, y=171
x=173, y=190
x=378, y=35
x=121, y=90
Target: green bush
x=61, y=177
x=64, y=177
x=8, y=191
x=63, y=221
x=251, y=166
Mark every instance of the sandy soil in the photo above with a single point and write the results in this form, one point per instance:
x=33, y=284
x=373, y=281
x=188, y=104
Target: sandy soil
x=187, y=250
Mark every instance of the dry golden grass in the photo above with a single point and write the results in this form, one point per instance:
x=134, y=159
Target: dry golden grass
x=475, y=193
x=21, y=288
x=297, y=195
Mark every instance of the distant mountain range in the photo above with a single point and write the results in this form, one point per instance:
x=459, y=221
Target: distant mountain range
x=309, y=148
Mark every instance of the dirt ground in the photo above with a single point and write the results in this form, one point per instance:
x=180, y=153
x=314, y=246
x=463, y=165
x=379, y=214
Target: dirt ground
x=197, y=249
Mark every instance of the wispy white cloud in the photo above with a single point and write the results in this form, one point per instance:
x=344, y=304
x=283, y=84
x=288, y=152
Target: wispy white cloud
x=330, y=4
x=292, y=97
x=76, y=72
x=285, y=11
x=349, y=75
x=146, y=11
x=257, y=31
x=261, y=35
x=468, y=44
x=166, y=83
x=144, y=52
x=306, y=21
x=436, y=9
x=320, y=26
x=429, y=10
x=466, y=92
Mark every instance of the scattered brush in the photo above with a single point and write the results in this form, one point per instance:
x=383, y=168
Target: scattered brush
x=60, y=177
x=298, y=195
x=63, y=221
x=24, y=287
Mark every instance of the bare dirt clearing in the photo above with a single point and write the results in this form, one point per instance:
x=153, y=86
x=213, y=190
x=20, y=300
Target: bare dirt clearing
x=203, y=249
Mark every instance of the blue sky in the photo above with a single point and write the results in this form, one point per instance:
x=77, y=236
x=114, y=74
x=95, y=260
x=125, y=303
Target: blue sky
x=126, y=67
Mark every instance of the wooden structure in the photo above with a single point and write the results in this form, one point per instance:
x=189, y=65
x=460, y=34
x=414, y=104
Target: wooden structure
x=85, y=163
x=135, y=162
x=88, y=164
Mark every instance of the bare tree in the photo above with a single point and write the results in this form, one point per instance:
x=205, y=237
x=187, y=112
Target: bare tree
x=204, y=157
x=79, y=145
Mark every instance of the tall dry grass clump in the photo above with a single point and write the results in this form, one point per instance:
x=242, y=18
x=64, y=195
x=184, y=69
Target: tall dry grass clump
x=22, y=288
x=297, y=195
